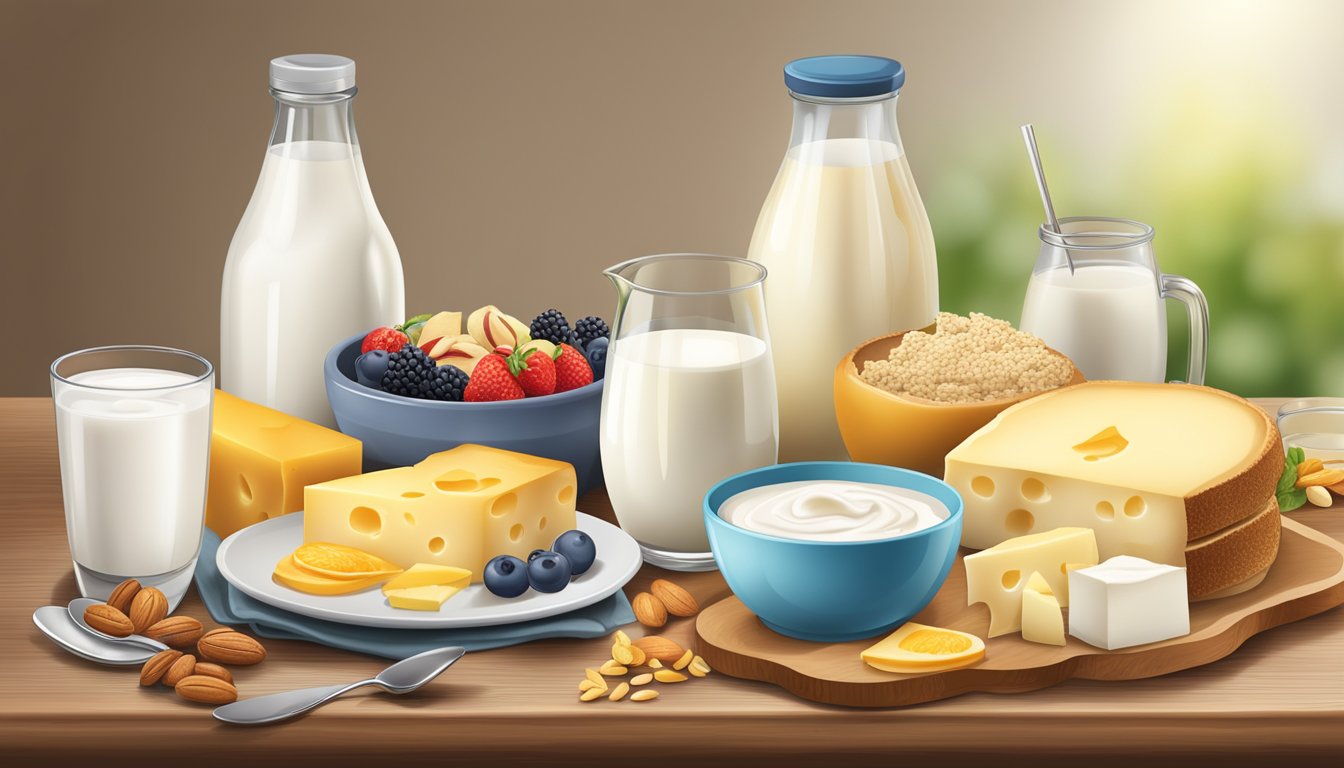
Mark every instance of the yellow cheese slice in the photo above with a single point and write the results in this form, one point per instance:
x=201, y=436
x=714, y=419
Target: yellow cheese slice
x=423, y=598
x=919, y=648
x=428, y=575
x=1042, y=619
x=261, y=459
x=996, y=576
x=337, y=561
x=294, y=577
x=458, y=508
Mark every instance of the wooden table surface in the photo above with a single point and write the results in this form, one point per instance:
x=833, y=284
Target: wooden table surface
x=1280, y=697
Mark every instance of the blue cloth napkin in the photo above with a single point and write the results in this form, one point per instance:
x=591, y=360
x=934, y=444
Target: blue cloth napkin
x=229, y=606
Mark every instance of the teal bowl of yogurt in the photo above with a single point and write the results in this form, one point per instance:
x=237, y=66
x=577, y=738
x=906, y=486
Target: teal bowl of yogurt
x=833, y=551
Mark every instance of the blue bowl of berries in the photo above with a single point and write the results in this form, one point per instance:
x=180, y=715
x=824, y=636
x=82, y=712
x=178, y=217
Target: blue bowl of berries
x=404, y=404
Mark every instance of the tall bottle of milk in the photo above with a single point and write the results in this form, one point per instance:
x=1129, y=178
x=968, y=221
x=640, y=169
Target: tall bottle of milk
x=845, y=237
x=311, y=262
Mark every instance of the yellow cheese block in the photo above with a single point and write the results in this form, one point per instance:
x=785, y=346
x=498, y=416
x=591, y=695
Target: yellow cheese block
x=1149, y=467
x=428, y=597
x=456, y=508
x=428, y=575
x=1042, y=619
x=260, y=460
x=292, y=576
x=997, y=576
x=918, y=648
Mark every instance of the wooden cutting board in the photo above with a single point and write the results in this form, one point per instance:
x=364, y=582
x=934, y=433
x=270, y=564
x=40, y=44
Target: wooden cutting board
x=1306, y=579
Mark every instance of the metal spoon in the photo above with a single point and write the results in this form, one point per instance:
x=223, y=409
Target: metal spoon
x=81, y=604
x=1029, y=136
x=55, y=623
x=403, y=677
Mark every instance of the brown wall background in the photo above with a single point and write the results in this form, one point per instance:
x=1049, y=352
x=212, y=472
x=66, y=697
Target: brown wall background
x=515, y=148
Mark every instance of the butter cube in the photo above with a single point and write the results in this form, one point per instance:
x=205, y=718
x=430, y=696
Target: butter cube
x=261, y=459
x=1128, y=601
x=457, y=508
x=1042, y=619
x=426, y=598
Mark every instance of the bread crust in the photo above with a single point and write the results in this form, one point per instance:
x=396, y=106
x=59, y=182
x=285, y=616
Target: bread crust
x=1225, y=502
x=1229, y=557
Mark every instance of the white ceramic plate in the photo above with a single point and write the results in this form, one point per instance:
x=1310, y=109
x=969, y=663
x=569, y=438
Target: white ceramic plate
x=247, y=558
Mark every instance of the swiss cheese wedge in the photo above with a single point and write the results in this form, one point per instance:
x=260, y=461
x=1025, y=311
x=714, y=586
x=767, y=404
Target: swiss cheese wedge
x=1155, y=470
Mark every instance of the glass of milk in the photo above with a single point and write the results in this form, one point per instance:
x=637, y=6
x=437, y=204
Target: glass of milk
x=133, y=431
x=1106, y=312
x=689, y=397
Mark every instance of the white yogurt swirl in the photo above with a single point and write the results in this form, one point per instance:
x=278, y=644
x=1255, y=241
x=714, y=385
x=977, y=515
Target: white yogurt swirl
x=833, y=510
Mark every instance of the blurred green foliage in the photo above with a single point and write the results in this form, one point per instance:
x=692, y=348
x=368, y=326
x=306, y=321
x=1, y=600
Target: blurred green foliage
x=1240, y=225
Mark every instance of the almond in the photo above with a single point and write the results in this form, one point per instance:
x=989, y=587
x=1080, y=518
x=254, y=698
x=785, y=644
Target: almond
x=108, y=620
x=649, y=610
x=181, y=669
x=1321, y=477
x=1319, y=496
x=157, y=665
x=658, y=647
x=1309, y=466
x=122, y=596
x=148, y=608
x=231, y=648
x=678, y=601
x=213, y=670
x=177, y=631
x=206, y=690
x=216, y=631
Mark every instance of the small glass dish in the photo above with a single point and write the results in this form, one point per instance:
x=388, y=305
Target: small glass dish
x=1316, y=425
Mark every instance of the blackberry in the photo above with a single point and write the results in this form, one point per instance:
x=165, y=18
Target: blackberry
x=591, y=327
x=411, y=373
x=553, y=327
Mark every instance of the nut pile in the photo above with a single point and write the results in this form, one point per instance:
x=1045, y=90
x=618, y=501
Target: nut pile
x=132, y=609
x=968, y=360
x=663, y=599
x=666, y=661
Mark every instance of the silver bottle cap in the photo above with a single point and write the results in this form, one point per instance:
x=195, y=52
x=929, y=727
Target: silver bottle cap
x=312, y=73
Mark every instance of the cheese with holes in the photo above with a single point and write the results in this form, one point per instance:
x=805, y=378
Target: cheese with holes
x=997, y=576
x=261, y=459
x=1128, y=601
x=1151, y=468
x=456, y=508
x=1042, y=618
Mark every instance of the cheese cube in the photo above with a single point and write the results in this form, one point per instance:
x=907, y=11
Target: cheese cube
x=458, y=508
x=261, y=459
x=1128, y=601
x=1042, y=619
x=424, y=598
x=996, y=576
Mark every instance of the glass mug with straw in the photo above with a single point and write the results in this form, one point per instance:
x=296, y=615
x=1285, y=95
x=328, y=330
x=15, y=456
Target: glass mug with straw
x=1096, y=295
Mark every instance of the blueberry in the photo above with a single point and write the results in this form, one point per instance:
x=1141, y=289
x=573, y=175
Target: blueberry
x=533, y=554
x=596, y=352
x=548, y=572
x=577, y=546
x=506, y=576
x=370, y=367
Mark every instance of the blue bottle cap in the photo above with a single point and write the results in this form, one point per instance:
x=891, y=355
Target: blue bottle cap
x=844, y=77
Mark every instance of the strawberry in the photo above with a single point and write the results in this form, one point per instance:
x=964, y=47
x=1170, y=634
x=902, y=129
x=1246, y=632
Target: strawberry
x=387, y=339
x=534, y=369
x=571, y=369
x=491, y=381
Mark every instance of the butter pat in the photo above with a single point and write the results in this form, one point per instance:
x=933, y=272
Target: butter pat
x=1128, y=601
x=457, y=508
x=996, y=576
x=261, y=459
x=1042, y=619
x=426, y=598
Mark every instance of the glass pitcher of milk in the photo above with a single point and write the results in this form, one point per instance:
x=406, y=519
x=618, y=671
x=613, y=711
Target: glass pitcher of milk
x=688, y=396
x=312, y=262
x=1106, y=312
x=845, y=237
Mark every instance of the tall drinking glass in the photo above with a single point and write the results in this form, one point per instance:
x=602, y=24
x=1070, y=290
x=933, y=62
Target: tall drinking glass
x=133, y=431
x=689, y=396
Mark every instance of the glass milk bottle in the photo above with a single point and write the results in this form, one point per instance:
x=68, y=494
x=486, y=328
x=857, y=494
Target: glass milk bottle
x=312, y=262
x=845, y=237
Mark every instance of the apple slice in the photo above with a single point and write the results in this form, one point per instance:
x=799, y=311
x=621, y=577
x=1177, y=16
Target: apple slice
x=460, y=350
x=492, y=328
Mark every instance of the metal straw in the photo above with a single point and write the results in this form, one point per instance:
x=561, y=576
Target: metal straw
x=1029, y=136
